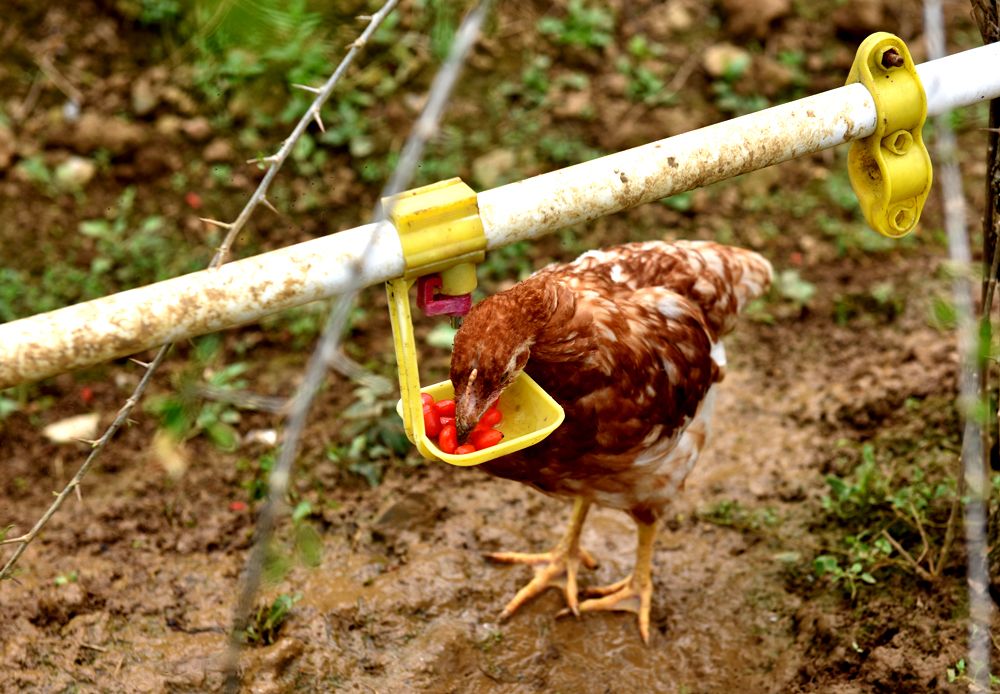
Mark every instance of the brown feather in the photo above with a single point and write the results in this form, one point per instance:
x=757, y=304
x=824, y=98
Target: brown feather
x=624, y=340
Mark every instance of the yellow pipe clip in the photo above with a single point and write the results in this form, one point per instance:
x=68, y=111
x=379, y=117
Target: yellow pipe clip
x=890, y=170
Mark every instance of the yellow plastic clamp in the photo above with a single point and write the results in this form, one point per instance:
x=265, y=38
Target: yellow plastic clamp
x=890, y=170
x=439, y=228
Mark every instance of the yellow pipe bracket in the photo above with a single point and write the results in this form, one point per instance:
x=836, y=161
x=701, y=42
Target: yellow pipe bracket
x=439, y=227
x=890, y=170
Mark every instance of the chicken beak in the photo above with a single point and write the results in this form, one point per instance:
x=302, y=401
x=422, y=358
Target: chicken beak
x=467, y=410
x=466, y=415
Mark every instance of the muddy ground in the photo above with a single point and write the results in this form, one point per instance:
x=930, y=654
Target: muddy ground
x=131, y=589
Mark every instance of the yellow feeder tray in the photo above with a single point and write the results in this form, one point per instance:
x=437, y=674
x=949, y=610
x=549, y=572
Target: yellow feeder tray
x=440, y=231
x=529, y=415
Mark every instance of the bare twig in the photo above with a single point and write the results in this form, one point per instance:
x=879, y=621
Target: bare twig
x=220, y=257
x=243, y=399
x=908, y=557
x=60, y=81
x=423, y=130
x=974, y=445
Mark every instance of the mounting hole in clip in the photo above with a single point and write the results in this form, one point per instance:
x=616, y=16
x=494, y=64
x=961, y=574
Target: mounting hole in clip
x=898, y=143
x=902, y=218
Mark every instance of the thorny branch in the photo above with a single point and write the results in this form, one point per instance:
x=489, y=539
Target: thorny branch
x=327, y=348
x=97, y=446
x=259, y=197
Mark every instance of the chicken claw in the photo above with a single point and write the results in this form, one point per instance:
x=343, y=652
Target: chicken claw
x=555, y=569
x=633, y=593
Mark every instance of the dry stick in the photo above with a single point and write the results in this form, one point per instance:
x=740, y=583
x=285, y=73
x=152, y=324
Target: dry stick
x=425, y=127
x=275, y=162
x=914, y=563
x=973, y=450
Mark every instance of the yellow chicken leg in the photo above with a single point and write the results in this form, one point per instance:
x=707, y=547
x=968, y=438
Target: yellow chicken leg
x=633, y=593
x=555, y=569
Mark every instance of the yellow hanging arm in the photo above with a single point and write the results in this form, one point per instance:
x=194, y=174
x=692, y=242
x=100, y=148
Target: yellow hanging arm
x=440, y=232
x=890, y=170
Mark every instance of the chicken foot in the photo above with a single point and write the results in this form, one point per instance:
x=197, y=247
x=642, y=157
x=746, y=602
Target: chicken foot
x=555, y=569
x=634, y=593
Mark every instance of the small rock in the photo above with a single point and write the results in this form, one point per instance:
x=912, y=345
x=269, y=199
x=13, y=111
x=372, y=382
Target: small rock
x=753, y=18
x=170, y=453
x=772, y=76
x=169, y=124
x=72, y=429
x=574, y=105
x=723, y=59
x=491, y=168
x=859, y=17
x=144, y=97
x=264, y=437
x=95, y=131
x=179, y=99
x=75, y=173
x=198, y=129
x=663, y=19
x=677, y=16
x=218, y=150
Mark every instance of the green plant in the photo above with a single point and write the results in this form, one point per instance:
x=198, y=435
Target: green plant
x=65, y=578
x=731, y=513
x=187, y=412
x=849, y=498
x=899, y=511
x=881, y=302
x=729, y=97
x=376, y=435
x=267, y=621
x=583, y=26
x=564, y=150
x=789, y=285
x=644, y=84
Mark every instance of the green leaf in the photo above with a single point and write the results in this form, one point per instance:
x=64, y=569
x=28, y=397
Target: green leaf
x=826, y=564
x=441, y=336
x=308, y=545
x=302, y=510
x=8, y=406
x=222, y=435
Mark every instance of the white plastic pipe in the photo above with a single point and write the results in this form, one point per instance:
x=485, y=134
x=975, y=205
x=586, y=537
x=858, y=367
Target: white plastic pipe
x=246, y=290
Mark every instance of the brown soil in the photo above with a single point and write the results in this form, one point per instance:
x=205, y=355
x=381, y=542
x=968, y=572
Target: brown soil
x=132, y=588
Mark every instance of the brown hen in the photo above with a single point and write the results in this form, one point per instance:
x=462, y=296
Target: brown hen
x=628, y=341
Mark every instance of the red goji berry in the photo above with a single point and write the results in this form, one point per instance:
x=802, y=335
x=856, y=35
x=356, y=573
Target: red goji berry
x=447, y=420
x=445, y=408
x=432, y=423
x=427, y=398
x=448, y=440
x=490, y=418
x=484, y=438
x=237, y=506
x=465, y=449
